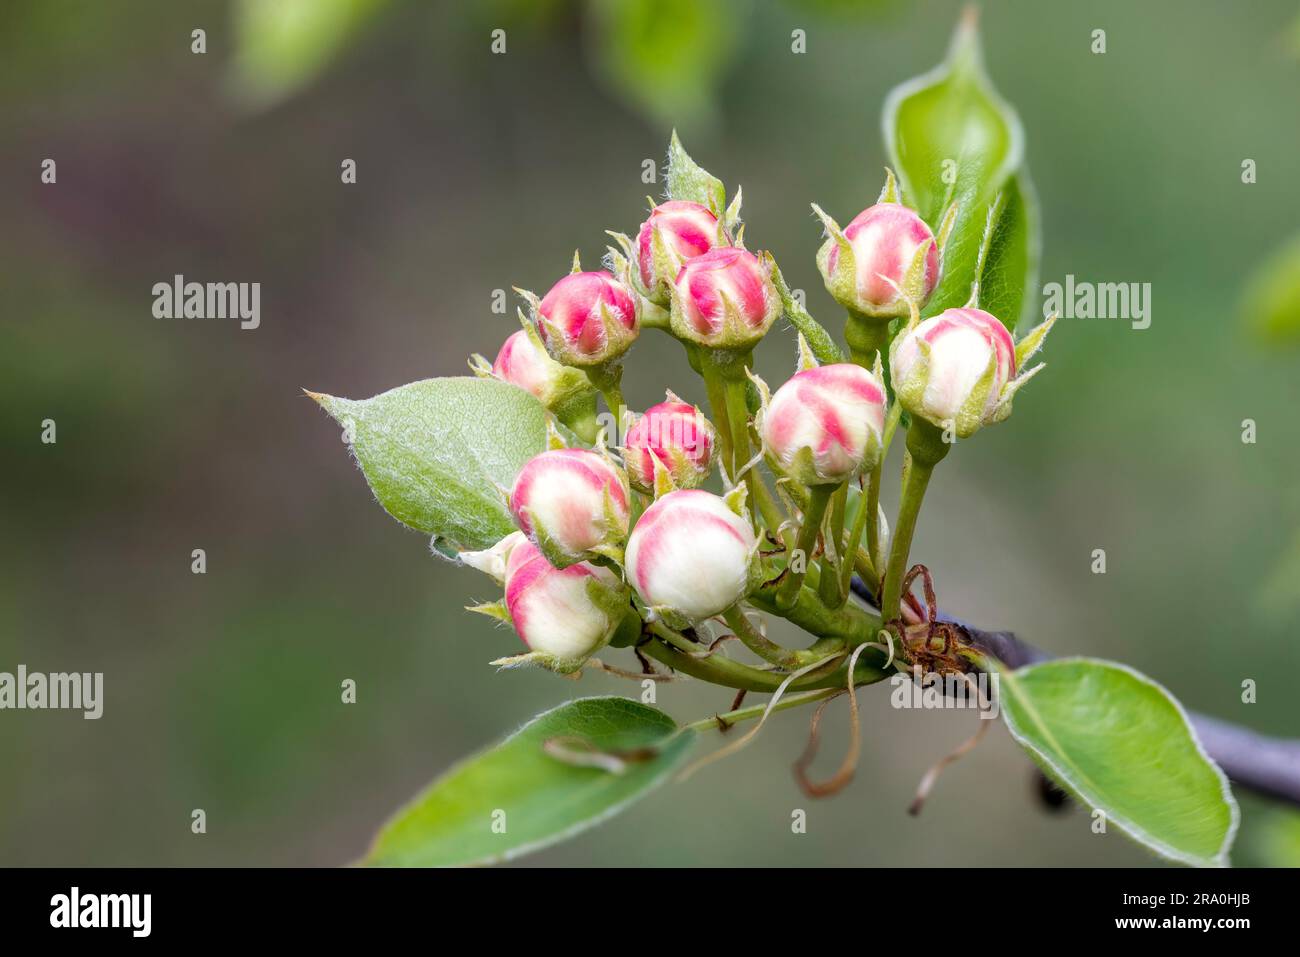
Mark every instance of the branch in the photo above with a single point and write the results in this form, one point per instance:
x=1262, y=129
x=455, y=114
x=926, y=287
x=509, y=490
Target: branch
x=1267, y=765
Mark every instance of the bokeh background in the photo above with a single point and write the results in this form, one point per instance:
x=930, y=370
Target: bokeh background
x=478, y=172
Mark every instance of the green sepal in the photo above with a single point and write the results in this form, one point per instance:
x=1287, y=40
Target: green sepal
x=806, y=358
x=663, y=478
x=889, y=193
x=1027, y=347
x=821, y=342
x=687, y=180
x=493, y=609
x=731, y=220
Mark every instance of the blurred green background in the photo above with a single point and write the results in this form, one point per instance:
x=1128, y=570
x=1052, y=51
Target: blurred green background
x=477, y=172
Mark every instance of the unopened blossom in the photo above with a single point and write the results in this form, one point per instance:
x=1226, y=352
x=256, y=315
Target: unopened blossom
x=524, y=362
x=824, y=425
x=587, y=319
x=678, y=437
x=571, y=503
x=563, y=614
x=959, y=369
x=724, y=298
x=691, y=556
x=685, y=230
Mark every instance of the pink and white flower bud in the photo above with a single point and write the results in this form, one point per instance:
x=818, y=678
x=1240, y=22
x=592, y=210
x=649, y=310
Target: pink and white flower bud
x=687, y=230
x=871, y=275
x=523, y=362
x=571, y=503
x=562, y=614
x=678, y=437
x=724, y=298
x=690, y=556
x=588, y=318
x=825, y=424
x=956, y=369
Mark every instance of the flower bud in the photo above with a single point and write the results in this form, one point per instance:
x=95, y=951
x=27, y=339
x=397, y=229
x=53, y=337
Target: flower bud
x=724, y=299
x=691, y=556
x=866, y=267
x=524, y=362
x=563, y=614
x=958, y=369
x=572, y=504
x=587, y=319
x=686, y=230
x=675, y=435
x=825, y=424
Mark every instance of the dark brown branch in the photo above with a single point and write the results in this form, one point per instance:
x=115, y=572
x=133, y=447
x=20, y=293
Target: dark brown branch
x=1267, y=765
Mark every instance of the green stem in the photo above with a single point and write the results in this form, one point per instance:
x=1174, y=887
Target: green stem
x=865, y=506
x=760, y=497
x=716, y=391
x=728, y=718
x=818, y=497
x=925, y=449
x=607, y=380
x=738, y=422
x=765, y=648
x=720, y=670
x=873, y=483
x=849, y=624
x=867, y=338
x=829, y=587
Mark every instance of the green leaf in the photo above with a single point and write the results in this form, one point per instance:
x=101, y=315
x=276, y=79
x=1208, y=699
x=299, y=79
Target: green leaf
x=952, y=139
x=435, y=452
x=535, y=798
x=1120, y=743
x=1008, y=272
x=281, y=45
x=1271, y=305
x=689, y=181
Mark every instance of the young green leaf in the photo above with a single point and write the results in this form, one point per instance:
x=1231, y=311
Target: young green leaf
x=1121, y=744
x=437, y=452
x=565, y=771
x=952, y=139
x=689, y=181
x=1007, y=262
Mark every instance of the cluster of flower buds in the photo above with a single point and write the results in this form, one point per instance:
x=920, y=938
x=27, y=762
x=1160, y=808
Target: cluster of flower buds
x=672, y=441
x=563, y=615
x=886, y=256
x=958, y=370
x=571, y=571
x=824, y=425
